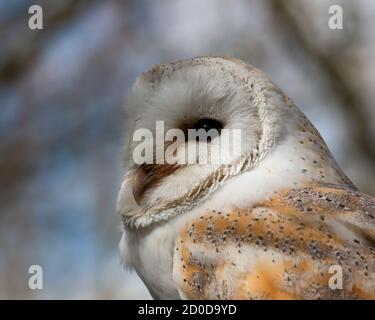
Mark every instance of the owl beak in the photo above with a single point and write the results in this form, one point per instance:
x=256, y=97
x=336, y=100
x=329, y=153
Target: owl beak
x=138, y=184
x=147, y=176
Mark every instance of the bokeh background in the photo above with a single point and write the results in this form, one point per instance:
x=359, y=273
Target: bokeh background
x=62, y=121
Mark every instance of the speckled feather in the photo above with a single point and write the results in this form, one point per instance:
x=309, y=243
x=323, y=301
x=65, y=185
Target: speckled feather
x=281, y=248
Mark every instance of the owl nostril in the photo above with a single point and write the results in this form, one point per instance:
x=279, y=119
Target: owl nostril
x=208, y=124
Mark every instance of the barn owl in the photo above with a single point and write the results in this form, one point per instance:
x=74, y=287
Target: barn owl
x=279, y=221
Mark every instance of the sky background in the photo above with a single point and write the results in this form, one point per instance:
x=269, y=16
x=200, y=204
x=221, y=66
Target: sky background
x=62, y=114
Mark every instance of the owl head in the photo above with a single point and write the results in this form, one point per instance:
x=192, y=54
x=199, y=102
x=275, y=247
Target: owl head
x=233, y=99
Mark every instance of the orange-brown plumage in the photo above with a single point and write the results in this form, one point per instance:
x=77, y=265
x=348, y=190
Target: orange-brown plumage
x=281, y=248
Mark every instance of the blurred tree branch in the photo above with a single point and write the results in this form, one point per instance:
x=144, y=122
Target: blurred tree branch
x=351, y=102
x=28, y=45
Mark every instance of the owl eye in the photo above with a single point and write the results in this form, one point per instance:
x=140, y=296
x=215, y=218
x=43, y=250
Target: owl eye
x=208, y=124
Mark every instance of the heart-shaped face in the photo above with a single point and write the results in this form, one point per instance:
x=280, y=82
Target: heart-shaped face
x=197, y=123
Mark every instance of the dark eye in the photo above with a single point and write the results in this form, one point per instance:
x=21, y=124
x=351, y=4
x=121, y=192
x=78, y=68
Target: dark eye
x=208, y=124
